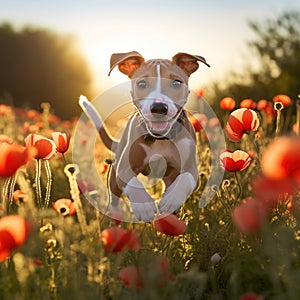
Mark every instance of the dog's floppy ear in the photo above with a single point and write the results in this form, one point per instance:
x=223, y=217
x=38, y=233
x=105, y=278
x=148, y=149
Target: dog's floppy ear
x=127, y=62
x=188, y=62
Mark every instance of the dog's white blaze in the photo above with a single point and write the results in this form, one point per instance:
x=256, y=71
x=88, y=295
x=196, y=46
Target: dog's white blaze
x=158, y=94
x=158, y=84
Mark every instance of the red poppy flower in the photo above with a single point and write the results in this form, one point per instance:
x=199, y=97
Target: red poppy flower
x=284, y=99
x=12, y=157
x=251, y=296
x=4, y=139
x=33, y=114
x=240, y=121
x=272, y=191
x=85, y=186
x=37, y=262
x=61, y=140
x=4, y=109
x=199, y=94
x=270, y=111
x=169, y=224
x=235, y=161
x=133, y=277
x=164, y=273
x=249, y=216
x=248, y=103
x=198, y=121
x=116, y=239
x=213, y=122
x=19, y=197
x=14, y=230
x=267, y=107
x=64, y=206
x=115, y=216
x=281, y=159
x=262, y=104
x=103, y=168
x=227, y=103
x=53, y=119
x=46, y=148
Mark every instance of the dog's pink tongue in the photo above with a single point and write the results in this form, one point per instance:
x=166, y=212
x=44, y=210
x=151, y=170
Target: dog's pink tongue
x=158, y=126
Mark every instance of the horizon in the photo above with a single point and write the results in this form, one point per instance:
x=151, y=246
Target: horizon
x=216, y=30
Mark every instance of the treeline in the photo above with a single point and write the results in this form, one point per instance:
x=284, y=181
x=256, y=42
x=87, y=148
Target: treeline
x=38, y=65
x=276, y=57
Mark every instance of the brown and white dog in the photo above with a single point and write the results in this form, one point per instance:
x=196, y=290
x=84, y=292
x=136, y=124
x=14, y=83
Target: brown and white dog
x=159, y=140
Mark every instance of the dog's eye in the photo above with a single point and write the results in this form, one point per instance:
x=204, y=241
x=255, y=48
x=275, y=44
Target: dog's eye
x=176, y=83
x=142, y=84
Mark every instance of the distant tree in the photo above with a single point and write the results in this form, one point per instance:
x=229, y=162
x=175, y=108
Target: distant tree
x=276, y=48
x=38, y=65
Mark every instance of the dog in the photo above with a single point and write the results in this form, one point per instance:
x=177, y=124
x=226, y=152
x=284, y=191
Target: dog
x=158, y=141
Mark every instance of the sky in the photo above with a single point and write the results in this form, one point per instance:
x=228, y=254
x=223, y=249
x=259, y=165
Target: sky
x=215, y=29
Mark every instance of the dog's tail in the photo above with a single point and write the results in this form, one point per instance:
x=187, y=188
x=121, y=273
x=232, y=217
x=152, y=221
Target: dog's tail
x=94, y=116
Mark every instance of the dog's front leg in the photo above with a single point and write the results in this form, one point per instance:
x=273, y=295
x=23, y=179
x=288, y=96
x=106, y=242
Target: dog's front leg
x=177, y=192
x=142, y=204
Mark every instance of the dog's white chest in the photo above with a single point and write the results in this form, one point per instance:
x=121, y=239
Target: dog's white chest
x=165, y=153
x=158, y=157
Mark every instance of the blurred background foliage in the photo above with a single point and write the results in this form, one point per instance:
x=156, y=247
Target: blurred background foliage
x=38, y=65
x=274, y=66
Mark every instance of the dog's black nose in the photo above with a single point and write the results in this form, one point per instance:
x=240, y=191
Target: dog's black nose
x=159, y=108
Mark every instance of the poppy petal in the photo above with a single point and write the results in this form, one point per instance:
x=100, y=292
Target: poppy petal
x=169, y=224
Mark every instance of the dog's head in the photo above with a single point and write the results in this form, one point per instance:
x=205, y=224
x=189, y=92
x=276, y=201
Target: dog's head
x=159, y=86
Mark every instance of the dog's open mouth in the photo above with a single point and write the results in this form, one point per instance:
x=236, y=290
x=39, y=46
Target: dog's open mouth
x=159, y=127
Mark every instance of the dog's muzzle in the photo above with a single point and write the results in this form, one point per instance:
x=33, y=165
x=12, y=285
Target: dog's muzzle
x=159, y=125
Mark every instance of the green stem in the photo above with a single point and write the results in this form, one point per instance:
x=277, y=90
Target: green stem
x=64, y=158
x=38, y=188
x=49, y=183
x=278, y=123
x=278, y=106
x=239, y=185
x=224, y=186
x=71, y=171
x=26, y=188
x=8, y=191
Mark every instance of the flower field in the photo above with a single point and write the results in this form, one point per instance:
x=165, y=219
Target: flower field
x=244, y=244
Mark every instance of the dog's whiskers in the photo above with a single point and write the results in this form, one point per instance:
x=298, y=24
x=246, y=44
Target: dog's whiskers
x=140, y=122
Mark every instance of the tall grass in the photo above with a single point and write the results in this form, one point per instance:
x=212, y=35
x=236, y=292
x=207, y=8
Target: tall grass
x=64, y=256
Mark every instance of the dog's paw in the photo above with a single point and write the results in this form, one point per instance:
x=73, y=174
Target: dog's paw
x=177, y=193
x=171, y=203
x=144, y=211
x=141, y=202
